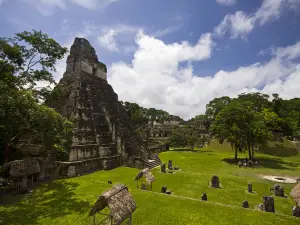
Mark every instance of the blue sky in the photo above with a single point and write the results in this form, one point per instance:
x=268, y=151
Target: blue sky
x=175, y=55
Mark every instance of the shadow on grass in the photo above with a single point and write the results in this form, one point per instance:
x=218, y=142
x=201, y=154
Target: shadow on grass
x=189, y=150
x=271, y=163
x=51, y=200
x=278, y=150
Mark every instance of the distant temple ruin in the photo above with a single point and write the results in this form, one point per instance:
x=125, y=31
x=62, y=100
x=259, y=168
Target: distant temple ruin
x=104, y=137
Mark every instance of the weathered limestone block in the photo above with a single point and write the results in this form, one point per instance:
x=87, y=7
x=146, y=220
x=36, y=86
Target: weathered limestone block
x=101, y=74
x=72, y=171
x=268, y=203
x=215, y=183
x=42, y=173
x=23, y=182
x=24, y=167
x=85, y=67
x=278, y=190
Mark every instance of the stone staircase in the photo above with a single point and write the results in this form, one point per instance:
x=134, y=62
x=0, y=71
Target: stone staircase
x=153, y=162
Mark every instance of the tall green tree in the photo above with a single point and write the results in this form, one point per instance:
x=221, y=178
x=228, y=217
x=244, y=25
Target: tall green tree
x=185, y=136
x=26, y=60
x=259, y=101
x=214, y=107
x=231, y=125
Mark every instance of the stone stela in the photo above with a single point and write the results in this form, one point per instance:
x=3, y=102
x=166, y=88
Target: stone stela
x=268, y=204
x=250, y=188
x=215, y=182
x=170, y=166
x=296, y=211
x=163, y=168
x=245, y=204
x=278, y=190
x=204, y=197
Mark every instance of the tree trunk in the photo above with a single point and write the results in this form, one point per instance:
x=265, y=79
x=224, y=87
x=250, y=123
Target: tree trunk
x=6, y=152
x=249, y=151
x=252, y=151
x=236, y=154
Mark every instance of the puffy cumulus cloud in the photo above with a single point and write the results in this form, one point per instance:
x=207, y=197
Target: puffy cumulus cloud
x=240, y=24
x=156, y=78
x=226, y=2
x=120, y=37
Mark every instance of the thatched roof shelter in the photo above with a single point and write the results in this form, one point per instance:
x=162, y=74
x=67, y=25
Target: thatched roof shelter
x=147, y=174
x=118, y=200
x=295, y=193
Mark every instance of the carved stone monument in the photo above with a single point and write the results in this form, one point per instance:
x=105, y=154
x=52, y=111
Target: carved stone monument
x=215, y=183
x=296, y=211
x=278, y=190
x=245, y=204
x=104, y=137
x=204, y=197
x=250, y=188
x=268, y=203
x=163, y=168
x=163, y=189
x=170, y=166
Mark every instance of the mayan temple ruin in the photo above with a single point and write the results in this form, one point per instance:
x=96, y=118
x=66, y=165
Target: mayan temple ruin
x=103, y=137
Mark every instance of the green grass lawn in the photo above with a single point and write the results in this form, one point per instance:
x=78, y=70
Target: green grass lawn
x=67, y=201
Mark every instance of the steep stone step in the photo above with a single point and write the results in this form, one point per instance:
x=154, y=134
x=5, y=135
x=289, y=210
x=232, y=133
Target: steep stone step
x=152, y=164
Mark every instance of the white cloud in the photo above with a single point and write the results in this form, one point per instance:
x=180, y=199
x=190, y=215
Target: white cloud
x=241, y=24
x=155, y=79
x=238, y=25
x=165, y=31
x=108, y=41
x=120, y=37
x=47, y=7
x=116, y=38
x=93, y=4
x=226, y=2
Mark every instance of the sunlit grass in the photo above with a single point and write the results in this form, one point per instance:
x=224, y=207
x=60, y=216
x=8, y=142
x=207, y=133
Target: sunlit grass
x=68, y=201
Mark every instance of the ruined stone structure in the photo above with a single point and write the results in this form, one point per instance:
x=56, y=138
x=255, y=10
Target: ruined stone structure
x=24, y=172
x=104, y=137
